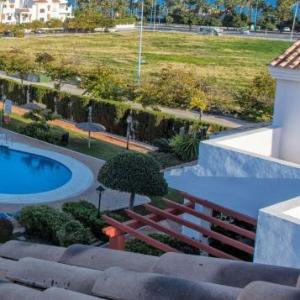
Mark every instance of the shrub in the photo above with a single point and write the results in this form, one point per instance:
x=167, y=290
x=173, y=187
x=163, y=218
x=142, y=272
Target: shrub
x=112, y=114
x=139, y=246
x=134, y=173
x=43, y=221
x=73, y=232
x=44, y=132
x=162, y=144
x=86, y=213
x=185, y=147
x=6, y=230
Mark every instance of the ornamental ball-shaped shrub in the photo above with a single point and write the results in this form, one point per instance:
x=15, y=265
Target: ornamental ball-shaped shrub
x=73, y=232
x=134, y=173
x=6, y=230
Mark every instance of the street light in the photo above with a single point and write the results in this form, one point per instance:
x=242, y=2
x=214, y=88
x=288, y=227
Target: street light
x=100, y=189
x=140, y=47
x=256, y=12
x=129, y=121
x=294, y=21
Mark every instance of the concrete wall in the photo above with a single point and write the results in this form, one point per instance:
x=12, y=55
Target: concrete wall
x=287, y=112
x=264, y=141
x=278, y=235
x=237, y=180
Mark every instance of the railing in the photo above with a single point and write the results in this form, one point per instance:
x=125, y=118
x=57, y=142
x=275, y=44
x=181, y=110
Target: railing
x=175, y=211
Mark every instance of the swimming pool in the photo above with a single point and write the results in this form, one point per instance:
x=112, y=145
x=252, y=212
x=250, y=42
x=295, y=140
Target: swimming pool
x=27, y=173
x=31, y=175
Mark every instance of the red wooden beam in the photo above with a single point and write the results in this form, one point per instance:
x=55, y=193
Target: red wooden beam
x=227, y=211
x=204, y=247
x=136, y=224
x=139, y=235
x=231, y=227
x=215, y=235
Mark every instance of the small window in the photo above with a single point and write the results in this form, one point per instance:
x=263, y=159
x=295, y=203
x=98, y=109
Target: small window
x=42, y=10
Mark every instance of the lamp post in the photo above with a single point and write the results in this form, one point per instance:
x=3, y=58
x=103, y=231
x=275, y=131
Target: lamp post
x=100, y=189
x=129, y=121
x=256, y=12
x=295, y=19
x=140, y=47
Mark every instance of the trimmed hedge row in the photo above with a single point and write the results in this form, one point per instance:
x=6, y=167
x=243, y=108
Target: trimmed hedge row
x=112, y=114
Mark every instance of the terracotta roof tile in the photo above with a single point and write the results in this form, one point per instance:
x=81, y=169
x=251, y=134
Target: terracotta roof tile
x=290, y=59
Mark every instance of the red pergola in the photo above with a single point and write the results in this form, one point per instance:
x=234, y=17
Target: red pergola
x=117, y=230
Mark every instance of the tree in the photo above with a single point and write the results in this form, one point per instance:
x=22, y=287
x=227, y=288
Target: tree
x=43, y=59
x=256, y=101
x=134, y=173
x=17, y=62
x=59, y=72
x=103, y=82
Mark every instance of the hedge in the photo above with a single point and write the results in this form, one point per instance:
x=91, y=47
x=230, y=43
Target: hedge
x=112, y=114
x=138, y=246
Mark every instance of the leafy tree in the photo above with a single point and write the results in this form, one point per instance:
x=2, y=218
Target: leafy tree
x=134, y=173
x=35, y=25
x=256, y=101
x=176, y=88
x=59, y=72
x=54, y=23
x=284, y=10
x=17, y=62
x=103, y=82
x=43, y=59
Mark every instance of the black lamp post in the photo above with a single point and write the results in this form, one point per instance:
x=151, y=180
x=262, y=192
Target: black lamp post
x=100, y=189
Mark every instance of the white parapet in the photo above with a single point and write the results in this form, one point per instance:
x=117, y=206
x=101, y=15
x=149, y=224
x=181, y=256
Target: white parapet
x=278, y=235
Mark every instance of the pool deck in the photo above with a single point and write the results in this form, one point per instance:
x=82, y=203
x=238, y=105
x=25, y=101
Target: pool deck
x=111, y=200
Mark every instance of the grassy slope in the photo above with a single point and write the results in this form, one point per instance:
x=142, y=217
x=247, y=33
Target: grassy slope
x=233, y=61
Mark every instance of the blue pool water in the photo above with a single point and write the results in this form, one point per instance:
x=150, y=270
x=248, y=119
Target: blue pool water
x=27, y=173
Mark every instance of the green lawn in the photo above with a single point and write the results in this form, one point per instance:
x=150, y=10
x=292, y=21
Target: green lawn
x=78, y=142
x=232, y=61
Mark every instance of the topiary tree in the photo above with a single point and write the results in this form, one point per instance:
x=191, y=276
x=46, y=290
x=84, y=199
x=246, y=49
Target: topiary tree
x=133, y=173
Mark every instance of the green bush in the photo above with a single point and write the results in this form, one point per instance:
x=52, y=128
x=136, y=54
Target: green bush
x=186, y=147
x=43, y=131
x=163, y=145
x=86, y=213
x=6, y=230
x=73, y=232
x=112, y=114
x=43, y=222
x=136, y=245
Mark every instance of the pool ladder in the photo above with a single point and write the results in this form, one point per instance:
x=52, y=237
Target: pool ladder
x=5, y=140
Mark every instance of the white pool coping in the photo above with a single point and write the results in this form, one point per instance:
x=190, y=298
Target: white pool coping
x=81, y=179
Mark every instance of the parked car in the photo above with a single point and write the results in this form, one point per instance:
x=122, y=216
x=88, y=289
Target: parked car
x=286, y=29
x=244, y=31
x=210, y=31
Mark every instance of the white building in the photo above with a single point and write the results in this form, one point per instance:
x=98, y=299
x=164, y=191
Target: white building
x=26, y=11
x=257, y=172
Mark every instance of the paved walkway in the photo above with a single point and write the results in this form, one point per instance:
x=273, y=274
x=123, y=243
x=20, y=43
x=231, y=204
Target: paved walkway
x=111, y=200
x=217, y=119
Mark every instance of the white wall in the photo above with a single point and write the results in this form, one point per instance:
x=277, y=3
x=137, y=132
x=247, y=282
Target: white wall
x=240, y=181
x=278, y=236
x=287, y=112
x=264, y=141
